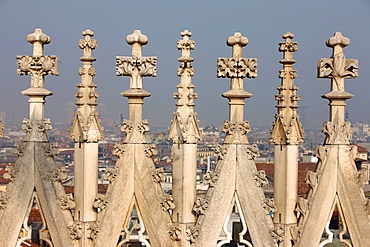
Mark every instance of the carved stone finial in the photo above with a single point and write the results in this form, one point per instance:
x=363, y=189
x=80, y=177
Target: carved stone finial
x=338, y=39
x=88, y=44
x=184, y=126
x=38, y=39
x=287, y=127
x=86, y=124
x=136, y=66
x=137, y=40
x=337, y=68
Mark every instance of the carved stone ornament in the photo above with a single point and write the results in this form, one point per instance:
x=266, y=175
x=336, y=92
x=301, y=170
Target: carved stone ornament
x=200, y=206
x=210, y=178
x=278, y=234
x=101, y=202
x=92, y=231
x=252, y=152
x=269, y=205
x=175, y=233
x=312, y=179
x=143, y=127
x=228, y=127
x=4, y=197
x=44, y=125
x=127, y=126
x=150, y=150
x=192, y=234
x=119, y=150
x=337, y=134
x=237, y=67
x=51, y=149
x=136, y=67
x=27, y=125
x=302, y=208
x=260, y=178
x=19, y=150
x=67, y=202
x=76, y=231
x=288, y=46
x=244, y=128
x=60, y=174
x=111, y=174
x=37, y=67
x=321, y=153
x=158, y=175
x=220, y=152
x=11, y=172
x=167, y=203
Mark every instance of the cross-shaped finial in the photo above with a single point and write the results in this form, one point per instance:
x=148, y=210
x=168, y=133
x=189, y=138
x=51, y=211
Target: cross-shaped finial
x=288, y=47
x=88, y=44
x=237, y=67
x=37, y=65
x=136, y=66
x=237, y=42
x=185, y=45
x=338, y=67
x=137, y=40
x=38, y=39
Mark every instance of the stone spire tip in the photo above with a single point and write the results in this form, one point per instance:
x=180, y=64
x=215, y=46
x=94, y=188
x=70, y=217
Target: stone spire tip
x=88, y=32
x=38, y=36
x=338, y=39
x=186, y=33
x=137, y=37
x=288, y=35
x=237, y=38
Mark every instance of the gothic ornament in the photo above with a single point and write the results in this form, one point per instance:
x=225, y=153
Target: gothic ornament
x=3, y=199
x=101, y=202
x=150, y=150
x=110, y=174
x=67, y=202
x=76, y=230
x=119, y=150
x=167, y=203
x=175, y=233
x=200, y=206
x=191, y=234
x=260, y=178
x=158, y=175
x=210, y=178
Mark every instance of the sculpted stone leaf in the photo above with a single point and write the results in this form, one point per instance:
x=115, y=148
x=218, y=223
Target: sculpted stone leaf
x=76, y=231
x=101, y=201
x=191, y=234
x=175, y=233
x=158, y=175
x=269, y=205
x=4, y=197
x=200, y=206
x=111, y=173
x=67, y=202
x=167, y=203
x=260, y=178
x=210, y=178
x=150, y=150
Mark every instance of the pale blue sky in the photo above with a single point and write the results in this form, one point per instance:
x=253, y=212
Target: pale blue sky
x=211, y=22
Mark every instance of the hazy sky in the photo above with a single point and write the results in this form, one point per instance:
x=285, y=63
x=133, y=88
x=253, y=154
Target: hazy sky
x=211, y=22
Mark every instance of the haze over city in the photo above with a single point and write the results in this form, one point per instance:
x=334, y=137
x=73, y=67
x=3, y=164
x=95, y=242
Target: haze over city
x=211, y=23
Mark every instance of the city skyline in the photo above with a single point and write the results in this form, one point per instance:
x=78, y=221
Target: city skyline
x=312, y=23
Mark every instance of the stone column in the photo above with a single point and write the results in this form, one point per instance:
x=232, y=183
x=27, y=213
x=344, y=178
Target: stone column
x=86, y=132
x=184, y=133
x=286, y=134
